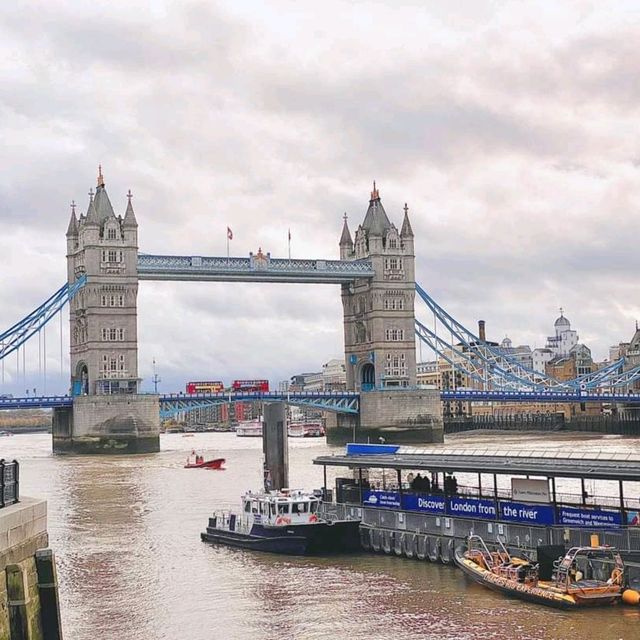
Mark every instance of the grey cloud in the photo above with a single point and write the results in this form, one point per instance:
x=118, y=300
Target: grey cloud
x=513, y=144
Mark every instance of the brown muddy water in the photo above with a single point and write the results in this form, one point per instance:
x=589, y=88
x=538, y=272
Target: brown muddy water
x=126, y=532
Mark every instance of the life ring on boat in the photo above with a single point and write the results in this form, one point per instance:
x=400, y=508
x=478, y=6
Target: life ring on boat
x=313, y=518
x=616, y=576
x=283, y=520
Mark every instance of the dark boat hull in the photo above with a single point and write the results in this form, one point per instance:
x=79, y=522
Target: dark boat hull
x=319, y=538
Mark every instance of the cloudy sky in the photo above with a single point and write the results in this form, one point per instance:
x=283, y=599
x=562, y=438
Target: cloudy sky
x=510, y=128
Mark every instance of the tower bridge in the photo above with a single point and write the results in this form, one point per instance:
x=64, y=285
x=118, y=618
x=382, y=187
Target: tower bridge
x=376, y=274
x=106, y=412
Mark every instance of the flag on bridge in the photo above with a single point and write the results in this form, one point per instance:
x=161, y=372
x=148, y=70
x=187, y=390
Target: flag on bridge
x=229, y=234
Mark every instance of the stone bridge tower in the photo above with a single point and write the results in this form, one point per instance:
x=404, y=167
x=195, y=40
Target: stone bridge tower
x=379, y=337
x=379, y=318
x=108, y=413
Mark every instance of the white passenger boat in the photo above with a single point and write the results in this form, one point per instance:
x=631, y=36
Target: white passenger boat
x=249, y=429
x=305, y=430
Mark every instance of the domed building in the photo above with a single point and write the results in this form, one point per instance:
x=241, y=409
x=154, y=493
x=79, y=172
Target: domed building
x=565, y=339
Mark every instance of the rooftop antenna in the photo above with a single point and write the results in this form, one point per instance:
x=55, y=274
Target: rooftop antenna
x=155, y=379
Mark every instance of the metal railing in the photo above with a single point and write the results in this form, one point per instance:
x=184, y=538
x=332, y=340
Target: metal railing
x=9, y=482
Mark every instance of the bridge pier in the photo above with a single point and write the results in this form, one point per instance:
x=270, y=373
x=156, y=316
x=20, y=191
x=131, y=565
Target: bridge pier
x=397, y=415
x=112, y=424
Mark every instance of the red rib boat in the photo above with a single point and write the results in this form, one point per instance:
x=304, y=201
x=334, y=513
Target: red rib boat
x=198, y=462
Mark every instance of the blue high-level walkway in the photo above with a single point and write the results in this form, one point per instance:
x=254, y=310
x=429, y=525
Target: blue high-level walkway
x=258, y=268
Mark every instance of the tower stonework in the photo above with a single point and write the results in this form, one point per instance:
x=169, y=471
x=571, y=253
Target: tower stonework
x=108, y=413
x=379, y=335
x=379, y=318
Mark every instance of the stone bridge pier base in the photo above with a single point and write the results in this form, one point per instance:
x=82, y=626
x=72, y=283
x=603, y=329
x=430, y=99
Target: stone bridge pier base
x=112, y=424
x=398, y=416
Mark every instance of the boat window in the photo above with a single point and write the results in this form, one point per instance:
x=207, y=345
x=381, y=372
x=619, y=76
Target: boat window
x=313, y=506
x=247, y=506
x=283, y=507
x=300, y=507
x=254, y=506
x=272, y=509
x=264, y=508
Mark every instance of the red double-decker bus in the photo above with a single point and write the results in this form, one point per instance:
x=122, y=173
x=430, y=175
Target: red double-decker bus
x=214, y=386
x=250, y=385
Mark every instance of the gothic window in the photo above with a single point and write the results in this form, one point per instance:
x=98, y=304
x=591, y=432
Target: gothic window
x=112, y=256
x=121, y=362
x=393, y=243
x=393, y=304
x=121, y=300
x=394, y=334
x=104, y=301
x=362, y=305
x=120, y=334
x=111, y=234
x=361, y=333
x=105, y=363
x=113, y=364
x=396, y=365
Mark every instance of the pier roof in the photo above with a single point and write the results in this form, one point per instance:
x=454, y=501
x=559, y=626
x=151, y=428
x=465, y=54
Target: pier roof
x=551, y=464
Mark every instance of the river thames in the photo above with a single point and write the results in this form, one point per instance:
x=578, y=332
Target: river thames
x=126, y=533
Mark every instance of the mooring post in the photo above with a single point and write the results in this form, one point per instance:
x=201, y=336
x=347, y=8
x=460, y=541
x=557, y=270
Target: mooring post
x=48, y=590
x=274, y=446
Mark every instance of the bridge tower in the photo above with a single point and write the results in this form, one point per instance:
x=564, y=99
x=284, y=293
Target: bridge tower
x=379, y=335
x=379, y=318
x=108, y=414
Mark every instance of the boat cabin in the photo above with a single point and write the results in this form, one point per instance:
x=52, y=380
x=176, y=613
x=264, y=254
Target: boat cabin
x=280, y=508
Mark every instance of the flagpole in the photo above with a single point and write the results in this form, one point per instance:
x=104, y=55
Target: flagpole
x=289, y=245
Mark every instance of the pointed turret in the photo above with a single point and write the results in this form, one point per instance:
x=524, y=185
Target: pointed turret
x=92, y=216
x=376, y=221
x=406, y=231
x=129, y=216
x=72, y=229
x=102, y=203
x=345, y=238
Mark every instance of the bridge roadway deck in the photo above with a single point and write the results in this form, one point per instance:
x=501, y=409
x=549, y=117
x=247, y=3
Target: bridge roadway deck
x=347, y=400
x=253, y=269
x=472, y=395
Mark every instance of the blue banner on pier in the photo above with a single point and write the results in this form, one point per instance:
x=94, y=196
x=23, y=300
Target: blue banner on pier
x=588, y=517
x=527, y=513
x=389, y=499
x=471, y=508
x=424, y=503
